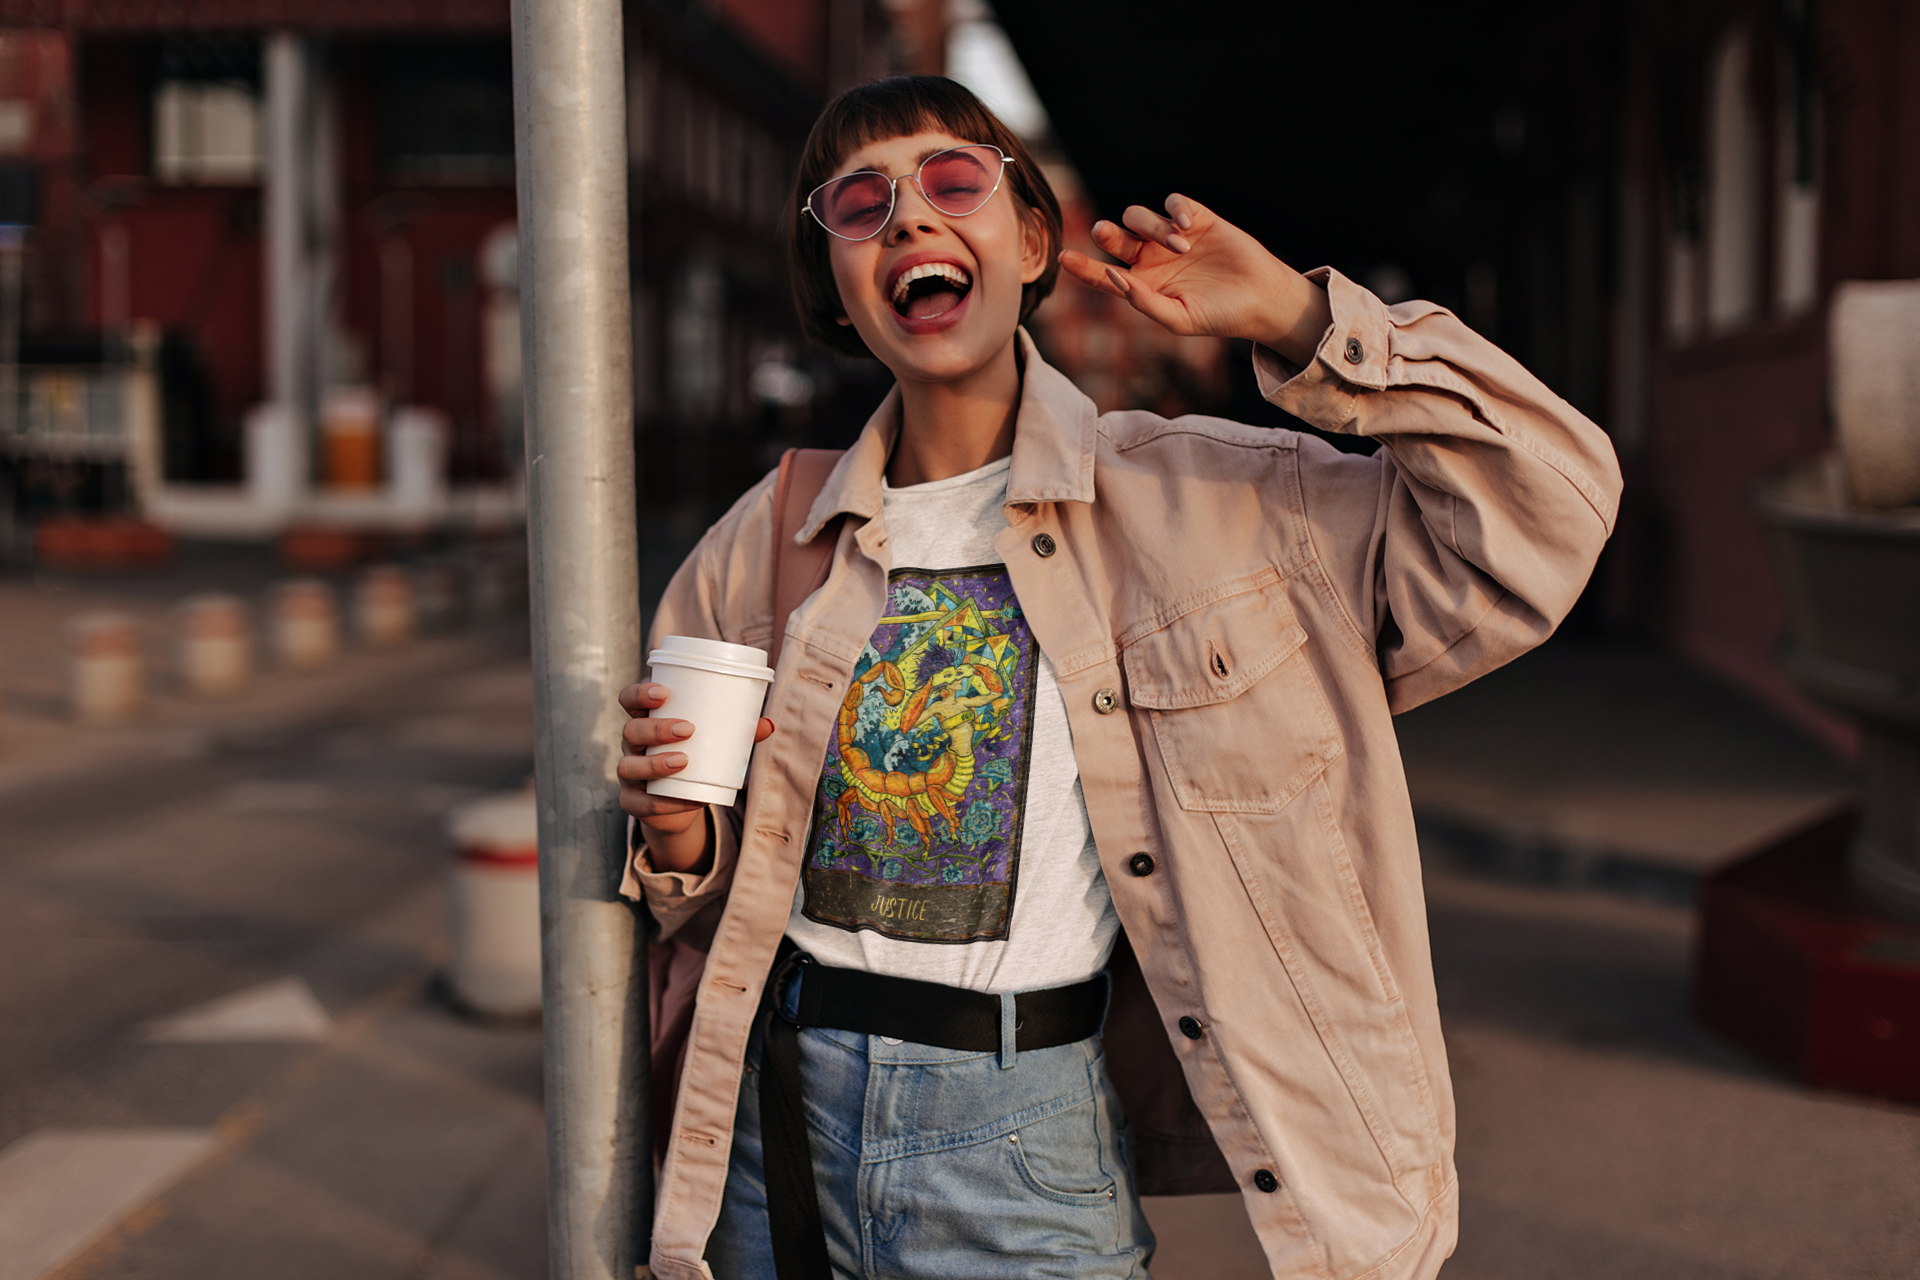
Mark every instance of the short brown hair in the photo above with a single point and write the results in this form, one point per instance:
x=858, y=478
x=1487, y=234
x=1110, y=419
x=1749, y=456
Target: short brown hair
x=892, y=108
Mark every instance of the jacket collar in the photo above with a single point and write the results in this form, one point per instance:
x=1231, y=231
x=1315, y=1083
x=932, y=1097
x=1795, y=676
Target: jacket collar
x=1054, y=435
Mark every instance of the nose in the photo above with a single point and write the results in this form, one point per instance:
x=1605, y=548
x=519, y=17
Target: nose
x=906, y=191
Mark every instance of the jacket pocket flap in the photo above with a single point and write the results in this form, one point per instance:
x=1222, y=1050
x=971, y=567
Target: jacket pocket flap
x=1214, y=654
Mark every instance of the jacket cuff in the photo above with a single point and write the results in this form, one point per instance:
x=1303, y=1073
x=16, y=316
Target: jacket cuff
x=1352, y=357
x=674, y=897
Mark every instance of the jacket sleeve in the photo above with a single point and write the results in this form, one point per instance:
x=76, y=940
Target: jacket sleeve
x=716, y=595
x=1465, y=540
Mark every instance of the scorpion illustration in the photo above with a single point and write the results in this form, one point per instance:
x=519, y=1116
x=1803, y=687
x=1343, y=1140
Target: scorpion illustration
x=890, y=795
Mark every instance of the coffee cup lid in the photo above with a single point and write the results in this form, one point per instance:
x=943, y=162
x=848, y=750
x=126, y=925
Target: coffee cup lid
x=713, y=655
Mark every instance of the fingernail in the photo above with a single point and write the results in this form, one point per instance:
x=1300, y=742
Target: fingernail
x=1178, y=244
x=1119, y=281
x=672, y=759
x=1098, y=226
x=1184, y=221
x=682, y=729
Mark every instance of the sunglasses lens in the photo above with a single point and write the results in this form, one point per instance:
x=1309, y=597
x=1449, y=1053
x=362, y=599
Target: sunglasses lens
x=855, y=206
x=959, y=181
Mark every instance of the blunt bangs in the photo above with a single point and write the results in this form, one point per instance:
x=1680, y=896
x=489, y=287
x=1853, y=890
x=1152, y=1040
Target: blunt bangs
x=896, y=107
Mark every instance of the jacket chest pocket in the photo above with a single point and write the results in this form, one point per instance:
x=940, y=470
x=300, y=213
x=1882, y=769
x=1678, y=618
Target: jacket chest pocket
x=1239, y=715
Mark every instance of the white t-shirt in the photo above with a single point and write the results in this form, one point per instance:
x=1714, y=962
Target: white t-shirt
x=950, y=840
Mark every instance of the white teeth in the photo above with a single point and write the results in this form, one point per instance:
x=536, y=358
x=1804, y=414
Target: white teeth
x=946, y=270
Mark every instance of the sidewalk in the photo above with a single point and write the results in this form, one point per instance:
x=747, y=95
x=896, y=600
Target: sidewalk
x=287, y=844
x=1612, y=767
x=39, y=740
x=295, y=836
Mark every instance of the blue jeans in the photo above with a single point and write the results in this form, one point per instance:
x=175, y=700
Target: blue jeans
x=941, y=1164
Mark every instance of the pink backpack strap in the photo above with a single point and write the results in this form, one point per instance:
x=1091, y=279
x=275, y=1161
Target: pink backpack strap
x=799, y=568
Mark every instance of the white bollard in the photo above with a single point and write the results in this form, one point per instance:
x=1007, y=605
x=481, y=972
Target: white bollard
x=495, y=966
x=215, y=646
x=106, y=677
x=383, y=608
x=306, y=625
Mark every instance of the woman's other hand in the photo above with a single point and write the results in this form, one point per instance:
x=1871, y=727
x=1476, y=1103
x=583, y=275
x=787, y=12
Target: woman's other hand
x=1195, y=273
x=675, y=830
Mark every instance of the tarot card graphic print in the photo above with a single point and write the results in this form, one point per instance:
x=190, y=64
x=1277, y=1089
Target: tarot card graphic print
x=916, y=826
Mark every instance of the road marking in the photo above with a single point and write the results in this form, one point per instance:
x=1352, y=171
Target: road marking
x=286, y=1010
x=61, y=1189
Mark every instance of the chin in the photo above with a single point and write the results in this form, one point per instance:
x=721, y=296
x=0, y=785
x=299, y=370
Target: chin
x=944, y=354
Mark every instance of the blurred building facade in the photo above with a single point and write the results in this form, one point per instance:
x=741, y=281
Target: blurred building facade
x=310, y=206
x=159, y=206
x=1649, y=203
x=149, y=151
x=720, y=98
x=1762, y=153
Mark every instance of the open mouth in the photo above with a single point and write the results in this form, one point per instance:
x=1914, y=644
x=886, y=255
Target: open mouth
x=930, y=289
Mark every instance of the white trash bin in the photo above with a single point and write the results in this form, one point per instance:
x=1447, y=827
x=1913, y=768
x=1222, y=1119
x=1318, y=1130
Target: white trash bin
x=495, y=968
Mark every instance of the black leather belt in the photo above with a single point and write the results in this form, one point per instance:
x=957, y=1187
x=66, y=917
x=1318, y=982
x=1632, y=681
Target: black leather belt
x=804, y=993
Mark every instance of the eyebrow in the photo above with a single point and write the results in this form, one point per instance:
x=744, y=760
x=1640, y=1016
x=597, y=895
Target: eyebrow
x=919, y=160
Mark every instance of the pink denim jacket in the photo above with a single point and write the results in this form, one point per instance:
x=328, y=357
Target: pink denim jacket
x=1235, y=614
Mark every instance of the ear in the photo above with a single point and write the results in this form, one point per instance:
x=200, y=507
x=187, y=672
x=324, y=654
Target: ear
x=1033, y=247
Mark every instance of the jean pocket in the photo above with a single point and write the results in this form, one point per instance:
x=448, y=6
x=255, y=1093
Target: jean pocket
x=1063, y=1158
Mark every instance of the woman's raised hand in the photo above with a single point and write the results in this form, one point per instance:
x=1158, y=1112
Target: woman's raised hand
x=1195, y=273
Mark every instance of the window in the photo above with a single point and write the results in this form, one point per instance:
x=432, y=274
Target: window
x=446, y=110
x=206, y=110
x=1796, y=262
x=1736, y=172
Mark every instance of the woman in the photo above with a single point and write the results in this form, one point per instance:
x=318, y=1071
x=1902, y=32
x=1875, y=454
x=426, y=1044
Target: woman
x=1072, y=676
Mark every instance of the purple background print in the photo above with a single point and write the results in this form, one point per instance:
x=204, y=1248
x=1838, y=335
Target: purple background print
x=959, y=885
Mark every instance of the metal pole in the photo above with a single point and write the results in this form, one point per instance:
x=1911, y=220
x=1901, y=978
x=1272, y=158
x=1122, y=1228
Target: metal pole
x=288, y=171
x=570, y=127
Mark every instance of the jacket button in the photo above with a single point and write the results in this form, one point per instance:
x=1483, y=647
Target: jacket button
x=1141, y=864
x=1190, y=1028
x=1044, y=545
x=1105, y=701
x=1266, y=1181
x=1355, y=352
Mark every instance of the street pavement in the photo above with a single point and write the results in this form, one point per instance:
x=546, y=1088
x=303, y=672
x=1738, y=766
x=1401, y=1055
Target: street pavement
x=289, y=851
x=292, y=837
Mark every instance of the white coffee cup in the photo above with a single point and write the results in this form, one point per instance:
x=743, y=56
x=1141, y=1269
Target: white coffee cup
x=720, y=688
